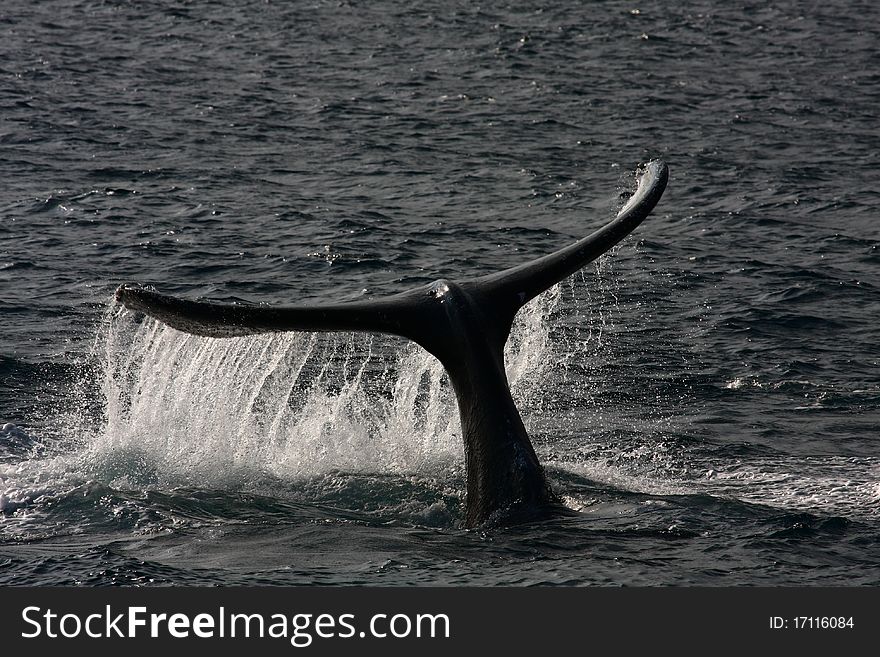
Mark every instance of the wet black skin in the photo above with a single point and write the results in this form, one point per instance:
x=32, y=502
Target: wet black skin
x=465, y=325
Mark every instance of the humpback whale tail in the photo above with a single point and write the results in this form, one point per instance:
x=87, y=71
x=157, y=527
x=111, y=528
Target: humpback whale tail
x=465, y=325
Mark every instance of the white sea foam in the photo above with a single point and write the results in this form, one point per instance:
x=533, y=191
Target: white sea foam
x=831, y=484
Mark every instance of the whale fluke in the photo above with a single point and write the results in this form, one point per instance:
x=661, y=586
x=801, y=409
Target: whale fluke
x=519, y=285
x=465, y=325
x=225, y=320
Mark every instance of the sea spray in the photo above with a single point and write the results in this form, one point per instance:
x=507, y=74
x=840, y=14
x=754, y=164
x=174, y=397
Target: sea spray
x=187, y=410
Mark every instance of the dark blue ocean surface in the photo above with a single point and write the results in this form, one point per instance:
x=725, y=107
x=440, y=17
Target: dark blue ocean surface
x=707, y=397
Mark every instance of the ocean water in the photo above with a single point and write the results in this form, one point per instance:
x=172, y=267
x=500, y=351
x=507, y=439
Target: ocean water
x=706, y=397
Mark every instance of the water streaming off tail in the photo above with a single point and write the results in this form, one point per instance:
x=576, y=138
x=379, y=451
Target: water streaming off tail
x=186, y=410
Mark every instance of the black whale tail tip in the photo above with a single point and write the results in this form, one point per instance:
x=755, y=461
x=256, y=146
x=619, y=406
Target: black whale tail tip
x=129, y=291
x=122, y=290
x=129, y=295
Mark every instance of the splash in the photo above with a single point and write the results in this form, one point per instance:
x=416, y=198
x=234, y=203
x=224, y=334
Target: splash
x=187, y=410
x=323, y=419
